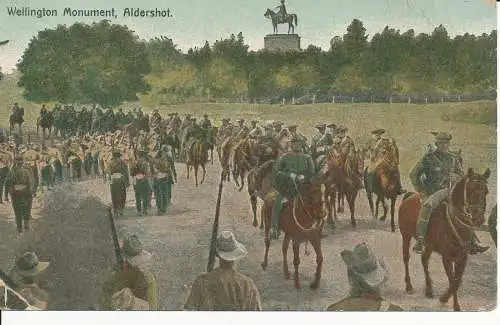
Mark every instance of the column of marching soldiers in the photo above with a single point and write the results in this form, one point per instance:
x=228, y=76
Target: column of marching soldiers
x=119, y=146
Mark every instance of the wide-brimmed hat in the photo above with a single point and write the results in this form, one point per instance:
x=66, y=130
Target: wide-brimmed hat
x=228, y=248
x=133, y=251
x=125, y=300
x=117, y=153
x=363, y=262
x=342, y=128
x=28, y=265
x=378, y=131
x=292, y=127
x=320, y=126
x=442, y=136
x=332, y=126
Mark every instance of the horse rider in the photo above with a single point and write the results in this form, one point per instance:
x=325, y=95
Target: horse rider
x=281, y=11
x=292, y=168
x=120, y=117
x=375, y=156
x=255, y=131
x=320, y=141
x=225, y=288
x=433, y=177
x=15, y=109
x=25, y=272
x=141, y=173
x=269, y=146
x=193, y=132
x=241, y=129
x=164, y=176
x=278, y=129
x=119, y=183
x=366, y=274
x=20, y=185
x=344, y=142
x=294, y=134
x=134, y=274
x=206, y=124
x=223, y=129
x=43, y=111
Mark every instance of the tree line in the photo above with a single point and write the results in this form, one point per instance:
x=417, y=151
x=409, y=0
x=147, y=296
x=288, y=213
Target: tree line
x=107, y=64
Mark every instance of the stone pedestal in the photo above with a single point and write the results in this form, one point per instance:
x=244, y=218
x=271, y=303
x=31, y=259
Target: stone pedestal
x=282, y=42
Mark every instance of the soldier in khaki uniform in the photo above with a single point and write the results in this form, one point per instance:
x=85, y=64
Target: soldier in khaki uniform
x=119, y=183
x=141, y=172
x=164, y=176
x=26, y=269
x=433, y=177
x=301, y=138
x=366, y=274
x=225, y=289
x=4, y=171
x=19, y=184
x=134, y=275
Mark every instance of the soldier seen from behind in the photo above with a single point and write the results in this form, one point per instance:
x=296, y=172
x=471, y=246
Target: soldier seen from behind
x=433, y=177
x=164, y=176
x=19, y=183
x=225, y=289
x=134, y=275
x=141, y=173
x=119, y=183
x=366, y=273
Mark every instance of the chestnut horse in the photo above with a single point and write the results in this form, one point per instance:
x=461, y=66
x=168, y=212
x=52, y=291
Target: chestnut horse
x=448, y=231
x=197, y=157
x=302, y=221
x=259, y=184
x=342, y=178
x=243, y=160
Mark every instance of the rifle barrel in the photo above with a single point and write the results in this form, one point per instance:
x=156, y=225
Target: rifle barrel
x=215, y=228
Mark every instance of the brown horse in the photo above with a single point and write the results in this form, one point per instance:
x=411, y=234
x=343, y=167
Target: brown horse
x=243, y=160
x=302, y=221
x=342, y=179
x=492, y=224
x=448, y=231
x=197, y=157
x=259, y=184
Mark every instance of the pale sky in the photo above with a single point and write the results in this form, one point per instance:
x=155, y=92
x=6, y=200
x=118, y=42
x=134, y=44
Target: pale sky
x=195, y=21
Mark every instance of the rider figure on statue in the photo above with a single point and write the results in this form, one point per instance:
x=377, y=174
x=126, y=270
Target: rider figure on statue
x=292, y=169
x=433, y=177
x=282, y=10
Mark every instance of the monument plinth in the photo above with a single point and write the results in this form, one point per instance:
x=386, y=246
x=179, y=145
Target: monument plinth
x=282, y=42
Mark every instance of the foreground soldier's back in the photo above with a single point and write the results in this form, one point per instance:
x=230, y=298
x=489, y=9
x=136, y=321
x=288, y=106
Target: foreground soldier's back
x=363, y=304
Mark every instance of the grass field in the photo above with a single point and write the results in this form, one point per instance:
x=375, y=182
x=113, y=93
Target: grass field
x=473, y=124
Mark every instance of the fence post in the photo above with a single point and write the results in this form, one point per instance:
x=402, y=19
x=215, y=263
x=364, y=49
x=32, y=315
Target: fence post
x=283, y=101
x=352, y=100
x=333, y=99
x=426, y=100
x=409, y=100
x=293, y=100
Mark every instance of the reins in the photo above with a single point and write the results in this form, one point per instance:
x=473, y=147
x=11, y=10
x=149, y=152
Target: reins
x=315, y=224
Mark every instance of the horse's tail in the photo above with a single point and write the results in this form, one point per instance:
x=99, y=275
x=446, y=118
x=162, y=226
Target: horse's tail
x=296, y=20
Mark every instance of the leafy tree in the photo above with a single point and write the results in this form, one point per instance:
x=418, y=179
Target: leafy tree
x=101, y=64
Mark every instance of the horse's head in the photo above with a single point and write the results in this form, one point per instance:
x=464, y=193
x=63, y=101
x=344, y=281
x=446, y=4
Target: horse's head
x=355, y=161
x=470, y=193
x=312, y=195
x=268, y=13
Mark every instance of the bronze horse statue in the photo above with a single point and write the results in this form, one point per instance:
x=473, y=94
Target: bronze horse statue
x=289, y=18
x=448, y=231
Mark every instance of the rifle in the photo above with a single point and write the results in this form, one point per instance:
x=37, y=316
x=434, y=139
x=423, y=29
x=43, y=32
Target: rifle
x=7, y=280
x=215, y=229
x=116, y=244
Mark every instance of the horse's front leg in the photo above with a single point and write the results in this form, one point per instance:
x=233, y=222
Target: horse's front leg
x=196, y=174
x=316, y=244
x=384, y=206
x=187, y=171
x=296, y=262
x=284, y=250
x=459, y=272
x=253, y=203
x=450, y=273
x=351, y=200
x=425, y=263
x=204, y=173
x=393, y=205
x=266, y=213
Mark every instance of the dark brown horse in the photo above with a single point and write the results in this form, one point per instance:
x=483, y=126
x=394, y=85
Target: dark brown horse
x=196, y=158
x=17, y=118
x=342, y=179
x=45, y=122
x=492, y=224
x=448, y=230
x=302, y=221
x=259, y=184
x=243, y=160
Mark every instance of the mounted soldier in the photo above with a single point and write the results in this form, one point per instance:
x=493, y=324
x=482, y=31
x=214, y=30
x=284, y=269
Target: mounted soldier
x=294, y=134
x=269, y=146
x=320, y=142
x=255, y=131
x=344, y=143
x=433, y=177
x=292, y=168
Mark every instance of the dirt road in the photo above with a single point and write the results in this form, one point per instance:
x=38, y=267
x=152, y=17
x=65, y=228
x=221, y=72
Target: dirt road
x=180, y=239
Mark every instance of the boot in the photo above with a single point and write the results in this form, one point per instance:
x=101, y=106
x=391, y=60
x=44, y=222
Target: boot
x=475, y=248
x=26, y=226
x=419, y=246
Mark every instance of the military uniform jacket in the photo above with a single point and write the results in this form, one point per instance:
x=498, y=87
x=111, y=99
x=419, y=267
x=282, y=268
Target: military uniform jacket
x=19, y=177
x=298, y=163
x=223, y=290
x=119, y=166
x=206, y=124
x=165, y=165
x=321, y=140
x=433, y=172
x=138, y=279
x=141, y=167
x=363, y=304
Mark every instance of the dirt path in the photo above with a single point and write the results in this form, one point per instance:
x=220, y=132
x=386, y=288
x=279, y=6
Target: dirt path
x=180, y=239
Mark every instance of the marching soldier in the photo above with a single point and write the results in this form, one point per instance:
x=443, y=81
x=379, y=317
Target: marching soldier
x=206, y=124
x=320, y=142
x=134, y=275
x=366, y=274
x=141, y=173
x=441, y=170
x=4, y=171
x=46, y=171
x=19, y=184
x=119, y=183
x=291, y=168
x=24, y=273
x=164, y=176
x=225, y=289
